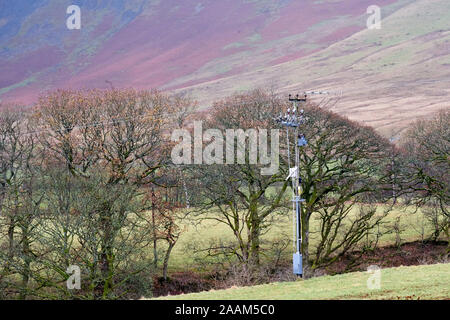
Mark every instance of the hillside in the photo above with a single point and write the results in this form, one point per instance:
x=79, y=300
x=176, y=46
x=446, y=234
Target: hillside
x=388, y=77
x=415, y=282
x=213, y=48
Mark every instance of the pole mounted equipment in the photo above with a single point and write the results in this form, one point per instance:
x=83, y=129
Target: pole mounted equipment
x=292, y=120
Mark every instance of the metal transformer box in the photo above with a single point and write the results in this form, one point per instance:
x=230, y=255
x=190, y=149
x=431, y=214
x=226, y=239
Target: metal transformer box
x=298, y=263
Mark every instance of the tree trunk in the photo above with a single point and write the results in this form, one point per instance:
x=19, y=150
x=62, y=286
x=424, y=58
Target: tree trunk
x=11, y=228
x=26, y=251
x=106, y=267
x=155, y=240
x=254, y=246
x=166, y=259
x=253, y=237
x=106, y=261
x=447, y=235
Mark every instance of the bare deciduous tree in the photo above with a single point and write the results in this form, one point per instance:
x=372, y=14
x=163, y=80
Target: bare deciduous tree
x=343, y=165
x=239, y=195
x=425, y=170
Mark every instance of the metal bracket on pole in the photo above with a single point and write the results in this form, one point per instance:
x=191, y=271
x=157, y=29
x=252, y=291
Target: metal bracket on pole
x=298, y=199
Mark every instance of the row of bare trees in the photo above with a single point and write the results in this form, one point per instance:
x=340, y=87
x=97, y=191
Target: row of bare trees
x=350, y=182
x=345, y=172
x=76, y=177
x=86, y=179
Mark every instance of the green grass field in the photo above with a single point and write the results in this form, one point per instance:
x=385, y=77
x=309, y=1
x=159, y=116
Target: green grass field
x=201, y=235
x=415, y=282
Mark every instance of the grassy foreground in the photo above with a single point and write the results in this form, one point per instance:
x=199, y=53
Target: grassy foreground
x=415, y=282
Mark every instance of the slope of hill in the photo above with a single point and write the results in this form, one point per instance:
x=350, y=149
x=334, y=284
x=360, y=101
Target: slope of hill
x=213, y=48
x=152, y=43
x=414, y=282
x=388, y=77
